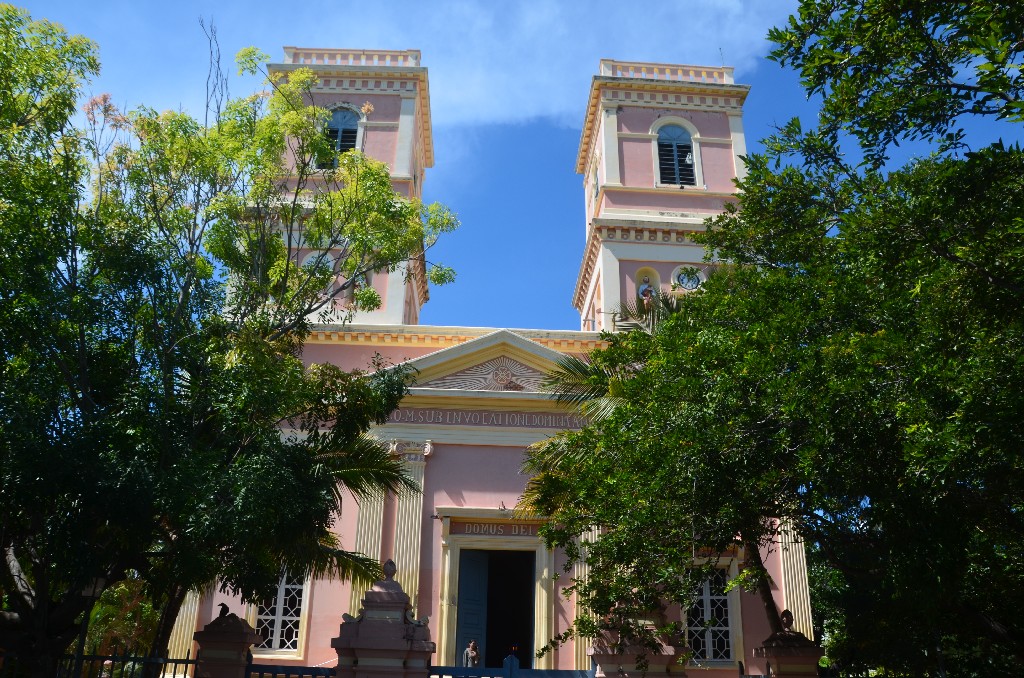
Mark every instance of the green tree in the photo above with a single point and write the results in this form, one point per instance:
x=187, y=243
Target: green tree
x=157, y=418
x=852, y=373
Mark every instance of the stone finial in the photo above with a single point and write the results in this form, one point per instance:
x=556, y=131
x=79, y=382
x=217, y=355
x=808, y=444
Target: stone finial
x=388, y=584
x=384, y=640
x=787, y=637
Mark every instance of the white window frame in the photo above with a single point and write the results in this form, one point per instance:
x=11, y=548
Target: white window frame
x=698, y=171
x=360, y=126
x=252, y=617
x=730, y=627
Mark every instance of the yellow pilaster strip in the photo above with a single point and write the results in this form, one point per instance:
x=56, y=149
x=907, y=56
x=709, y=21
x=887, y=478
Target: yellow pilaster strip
x=180, y=642
x=409, y=520
x=581, y=571
x=369, y=527
x=795, y=586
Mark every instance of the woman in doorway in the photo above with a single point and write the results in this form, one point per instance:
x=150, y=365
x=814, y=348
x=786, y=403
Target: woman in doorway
x=471, y=656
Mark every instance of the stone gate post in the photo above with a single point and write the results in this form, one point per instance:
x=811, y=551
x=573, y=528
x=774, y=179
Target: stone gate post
x=224, y=647
x=790, y=653
x=384, y=640
x=614, y=664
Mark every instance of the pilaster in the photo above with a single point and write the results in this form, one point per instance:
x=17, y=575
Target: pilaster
x=180, y=643
x=611, y=145
x=406, y=128
x=369, y=529
x=409, y=518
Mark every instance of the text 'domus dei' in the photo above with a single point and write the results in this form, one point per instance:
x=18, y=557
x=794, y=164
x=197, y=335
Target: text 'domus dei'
x=494, y=529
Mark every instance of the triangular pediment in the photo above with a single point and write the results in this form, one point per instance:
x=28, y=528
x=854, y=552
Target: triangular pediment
x=500, y=361
x=497, y=374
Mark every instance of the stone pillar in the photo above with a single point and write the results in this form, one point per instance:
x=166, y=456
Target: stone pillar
x=409, y=518
x=224, y=646
x=613, y=664
x=369, y=528
x=384, y=640
x=789, y=653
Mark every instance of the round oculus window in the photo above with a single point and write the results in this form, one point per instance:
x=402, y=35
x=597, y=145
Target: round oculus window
x=688, y=279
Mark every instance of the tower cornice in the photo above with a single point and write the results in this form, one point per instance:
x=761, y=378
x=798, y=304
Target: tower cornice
x=650, y=84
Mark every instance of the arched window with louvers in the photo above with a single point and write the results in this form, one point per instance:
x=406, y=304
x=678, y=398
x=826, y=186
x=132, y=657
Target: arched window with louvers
x=677, y=156
x=343, y=134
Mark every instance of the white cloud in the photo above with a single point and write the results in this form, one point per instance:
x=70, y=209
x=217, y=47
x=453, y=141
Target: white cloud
x=495, y=62
x=490, y=61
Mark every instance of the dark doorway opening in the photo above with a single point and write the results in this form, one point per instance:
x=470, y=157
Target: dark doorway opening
x=510, y=607
x=496, y=605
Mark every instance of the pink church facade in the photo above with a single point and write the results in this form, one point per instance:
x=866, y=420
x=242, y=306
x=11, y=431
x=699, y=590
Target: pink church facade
x=660, y=147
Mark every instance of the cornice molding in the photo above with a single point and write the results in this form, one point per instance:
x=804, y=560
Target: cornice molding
x=406, y=81
x=437, y=337
x=628, y=231
x=676, y=94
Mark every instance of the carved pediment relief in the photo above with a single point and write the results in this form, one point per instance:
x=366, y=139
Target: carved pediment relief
x=497, y=374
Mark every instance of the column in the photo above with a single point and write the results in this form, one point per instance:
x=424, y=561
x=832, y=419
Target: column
x=180, y=643
x=795, y=587
x=406, y=135
x=611, y=145
x=368, y=538
x=409, y=519
x=581, y=571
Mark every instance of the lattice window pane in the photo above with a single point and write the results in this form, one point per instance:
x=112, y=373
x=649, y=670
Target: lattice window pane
x=277, y=620
x=707, y=621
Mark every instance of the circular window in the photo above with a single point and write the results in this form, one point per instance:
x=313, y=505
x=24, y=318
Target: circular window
x=688, y=278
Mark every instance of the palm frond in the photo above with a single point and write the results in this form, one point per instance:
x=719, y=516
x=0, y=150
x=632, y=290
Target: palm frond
x=646, y=314
x=576, y=380
x=366, y=468
x=324, y=560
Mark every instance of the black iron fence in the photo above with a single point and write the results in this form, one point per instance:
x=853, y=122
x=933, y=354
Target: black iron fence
x=273, y=671
x=119, y=664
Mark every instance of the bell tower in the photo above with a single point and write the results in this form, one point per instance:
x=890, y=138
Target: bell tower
x=394, y=128
x=660, y=149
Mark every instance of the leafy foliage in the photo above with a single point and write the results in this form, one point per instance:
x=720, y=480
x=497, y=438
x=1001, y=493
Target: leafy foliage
x=853, y=374
x=906, y=69
x=157, y=417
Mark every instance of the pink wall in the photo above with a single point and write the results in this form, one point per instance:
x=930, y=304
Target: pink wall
x=359, y=356
x=669, y=200
x=636, y=156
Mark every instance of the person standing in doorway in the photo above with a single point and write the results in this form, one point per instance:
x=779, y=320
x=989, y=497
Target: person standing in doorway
x=471, y=656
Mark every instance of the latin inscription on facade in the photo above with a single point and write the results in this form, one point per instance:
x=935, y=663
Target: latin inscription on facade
x=446, y=417
x=481, y=529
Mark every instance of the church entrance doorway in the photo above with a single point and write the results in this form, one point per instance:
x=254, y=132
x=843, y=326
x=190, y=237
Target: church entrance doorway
x=496, y=605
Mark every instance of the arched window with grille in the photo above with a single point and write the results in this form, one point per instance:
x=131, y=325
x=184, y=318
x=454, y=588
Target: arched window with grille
x=342, y=133
x=676, y=164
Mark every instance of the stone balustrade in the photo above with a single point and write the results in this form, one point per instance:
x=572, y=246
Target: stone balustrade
x=674, y=73
x=351, y=57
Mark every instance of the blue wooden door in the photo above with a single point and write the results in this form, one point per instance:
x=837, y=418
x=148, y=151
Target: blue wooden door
x=471, y=614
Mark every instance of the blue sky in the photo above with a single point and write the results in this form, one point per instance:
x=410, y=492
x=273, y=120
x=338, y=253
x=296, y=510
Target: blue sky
x=508, y=83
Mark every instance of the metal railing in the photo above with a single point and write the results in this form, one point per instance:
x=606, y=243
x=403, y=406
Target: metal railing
x=509, y=669
x=275, y=671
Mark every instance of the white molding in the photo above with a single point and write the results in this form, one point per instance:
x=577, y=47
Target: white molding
x=739, y=144
x=544, y=579
x=611, y=284
x=404, y=144
x=465, y=435
x=611, y=145
x=651, y=252
x=490, y=340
